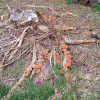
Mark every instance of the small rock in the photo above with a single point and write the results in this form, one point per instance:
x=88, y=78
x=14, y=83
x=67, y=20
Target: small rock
x=43, y=28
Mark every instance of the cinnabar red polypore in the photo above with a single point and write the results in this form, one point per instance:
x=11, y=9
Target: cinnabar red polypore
x=19, y=84
x=40, y=57
x=66, y=52
x=42, y=60
x=33, y=66
x=68, y=60
x=57, y=55
x=44, y=52
x=69, y=56
x=41, y=13
x=64, y=46
x=53, y=51
x=5, y=30
x=62, y=71
x=57, y=60
x=25, y=71
x=25, y=68
x=26, y=74
x=37, y=70
x=38, y=65
x=67, y=64
x=63, y=28
x=30, y=69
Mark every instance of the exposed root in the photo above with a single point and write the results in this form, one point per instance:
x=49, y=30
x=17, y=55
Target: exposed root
x=51, y=65
x=54, y=58
x=77, y=41
x=33, y=72
x=22, y=78
x=15, y=59
x=20, y=40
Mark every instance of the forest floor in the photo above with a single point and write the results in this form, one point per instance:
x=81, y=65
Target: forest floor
x=83, y=76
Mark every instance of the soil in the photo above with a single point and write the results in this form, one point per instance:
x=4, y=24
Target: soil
x=86, y=23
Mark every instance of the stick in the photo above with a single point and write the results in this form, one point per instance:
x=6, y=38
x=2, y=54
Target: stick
x=50, y=7
x=54, y=58
x=22, y=78
x=37, y=6
x=51, y=65
x=77, y=41
x=20, y=40
x=15, y=59
x=32, y=73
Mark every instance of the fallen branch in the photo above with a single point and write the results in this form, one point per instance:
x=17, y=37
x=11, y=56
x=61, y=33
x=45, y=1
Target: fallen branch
x=65, y=69
x=77, y=41
x=16, y=47
x=33, y=72
x=20, y=40
x=15, y=59
x=51, y=65
x=69, y=13
x=22, y=78
x=50, y=7
x=37, y=6
x=54, y=58
x=55, y=12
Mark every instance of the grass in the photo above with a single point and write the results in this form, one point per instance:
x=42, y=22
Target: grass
x=3, y=90
x=18, y=71
x=1, y=1
x=32, y=91
x=64, y=87
x=97, y=6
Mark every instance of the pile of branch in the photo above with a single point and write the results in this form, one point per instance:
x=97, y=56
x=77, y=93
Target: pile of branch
x=17, y=44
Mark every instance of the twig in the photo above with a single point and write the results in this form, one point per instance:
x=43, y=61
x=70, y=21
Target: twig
x=15, y=59
x=16, y=47
x=55, y=12
x=37, y=6
x=50, y=7
x=20, y=40
x=51, y=64
x=22, y=78
x=32, y=73
x=54, y=58
x=77, y=41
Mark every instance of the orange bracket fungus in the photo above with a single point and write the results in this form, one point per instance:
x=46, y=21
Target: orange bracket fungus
x=37, y=70
x=44, y=52
x=67, y=64
x=38, y=65
x=33, y=66
x=19, y=84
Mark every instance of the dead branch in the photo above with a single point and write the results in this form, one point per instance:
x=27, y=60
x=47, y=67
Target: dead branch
x=69, y=13
x=22, y=78
x=37, y=6
x=8, y=43
x=16, y=47
x=32, y=73
x=20, y=40
x=54, y=58
x=55, y=12
x=50, y=7
x=77, y=41
x=51, y=65
x=65, y=69
x=15, y=59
